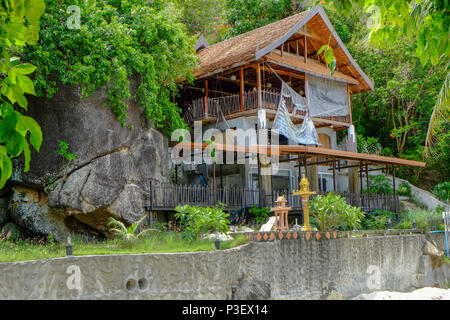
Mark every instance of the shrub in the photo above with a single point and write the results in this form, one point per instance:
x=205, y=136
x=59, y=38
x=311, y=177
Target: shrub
x=442, y=191
x=404, y=189
x=331, y=212
x=196, y=221
x=259, y=214
x=380, y=185
x=378, y=220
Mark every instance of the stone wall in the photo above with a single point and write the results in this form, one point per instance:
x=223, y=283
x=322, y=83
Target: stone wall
x=280, y=269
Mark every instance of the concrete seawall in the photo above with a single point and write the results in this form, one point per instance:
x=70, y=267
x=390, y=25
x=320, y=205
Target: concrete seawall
x=283, y=269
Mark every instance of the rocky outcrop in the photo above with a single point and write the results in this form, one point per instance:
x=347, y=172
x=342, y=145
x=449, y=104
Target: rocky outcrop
x=109, y=178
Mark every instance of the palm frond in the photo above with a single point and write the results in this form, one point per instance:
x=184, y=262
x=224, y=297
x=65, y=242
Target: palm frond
x=117, y=224
x=440, y=115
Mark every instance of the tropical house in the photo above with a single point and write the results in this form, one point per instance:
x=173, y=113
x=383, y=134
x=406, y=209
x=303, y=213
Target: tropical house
x=239, y=77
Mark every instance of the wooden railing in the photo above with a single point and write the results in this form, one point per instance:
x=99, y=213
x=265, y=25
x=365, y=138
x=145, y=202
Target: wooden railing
x=229, y=105
x=169, y=196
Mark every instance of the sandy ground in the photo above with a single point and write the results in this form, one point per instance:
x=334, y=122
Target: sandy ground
x=420, y=294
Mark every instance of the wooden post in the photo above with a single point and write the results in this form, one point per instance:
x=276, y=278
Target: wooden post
x=305, y=50
x=368, y=186
x=299, y=171
x=296, y=47
x=395, y=192
x=242, y=88
x=176, y=174
x=361, y=185
x=304, y=164
x=258, y=85
x=221, y=176
x=259, y=172
x=206, y=98
x=334, y=175
x=214, y=183
x=349, y=99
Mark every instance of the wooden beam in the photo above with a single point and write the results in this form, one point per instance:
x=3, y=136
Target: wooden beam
x=226, y=79
x=212, y=91
x=285, y=73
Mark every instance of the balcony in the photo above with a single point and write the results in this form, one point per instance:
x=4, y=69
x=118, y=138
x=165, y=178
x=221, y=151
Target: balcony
x=232, y=108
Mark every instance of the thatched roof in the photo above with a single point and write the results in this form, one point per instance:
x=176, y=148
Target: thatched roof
x=259, y=43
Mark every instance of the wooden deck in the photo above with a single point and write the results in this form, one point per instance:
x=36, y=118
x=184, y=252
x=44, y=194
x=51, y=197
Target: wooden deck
x=231, y=108
x=168, y=196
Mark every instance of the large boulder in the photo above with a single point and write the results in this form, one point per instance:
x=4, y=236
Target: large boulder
x=436, y=255
x=110, y=176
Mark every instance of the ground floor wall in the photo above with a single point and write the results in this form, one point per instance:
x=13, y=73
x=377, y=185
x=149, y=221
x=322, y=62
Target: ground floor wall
x=302, y=268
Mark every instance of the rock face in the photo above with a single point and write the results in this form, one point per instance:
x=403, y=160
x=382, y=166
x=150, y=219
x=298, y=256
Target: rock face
x=109, y=178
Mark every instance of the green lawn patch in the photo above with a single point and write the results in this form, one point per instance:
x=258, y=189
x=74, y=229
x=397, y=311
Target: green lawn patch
x=164, y=242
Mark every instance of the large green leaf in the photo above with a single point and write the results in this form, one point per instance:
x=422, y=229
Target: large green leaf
x=5, y=166
x=35, y=131
x=24, y=68
x=25, y=84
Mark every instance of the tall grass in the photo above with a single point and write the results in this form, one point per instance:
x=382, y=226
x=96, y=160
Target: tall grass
x=165, y=242
x=426, y=220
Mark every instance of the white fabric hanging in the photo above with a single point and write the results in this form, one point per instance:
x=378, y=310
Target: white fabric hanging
x=327, y=98
x=306, y=134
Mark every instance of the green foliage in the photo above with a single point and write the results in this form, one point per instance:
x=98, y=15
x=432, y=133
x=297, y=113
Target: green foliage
x=205, y=17
x=118, y=41
x=379, y=184
x=371, y=145
x=331, y=212
x=328, y=56
x=424, y=219
x=127, y=234
x=378, y=220
x=442, y=191
x=246, y=15
x=404, y=189
x=196, y=221
x=50, y=239
x=259, y=214
x=19, y=24
x=64, y=151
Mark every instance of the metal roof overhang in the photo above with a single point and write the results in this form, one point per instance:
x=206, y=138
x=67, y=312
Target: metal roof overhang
x=305, y=151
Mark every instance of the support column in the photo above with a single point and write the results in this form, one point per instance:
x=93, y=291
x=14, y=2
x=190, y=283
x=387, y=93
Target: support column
x=258, y=85
x=242, y=88
x=334, y=175
x=368, y=186
x=206, y=99
x=395, y=193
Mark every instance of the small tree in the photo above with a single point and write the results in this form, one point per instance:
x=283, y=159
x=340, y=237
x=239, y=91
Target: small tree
x=196, y=221
x=331, y=212
x=128, y=234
